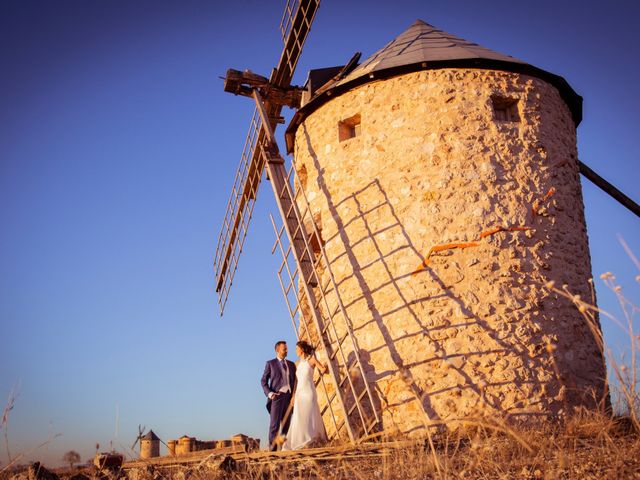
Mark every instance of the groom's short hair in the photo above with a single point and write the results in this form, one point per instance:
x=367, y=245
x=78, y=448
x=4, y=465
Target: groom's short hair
x=278, y=343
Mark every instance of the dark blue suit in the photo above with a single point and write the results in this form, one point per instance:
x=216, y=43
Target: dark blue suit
x=273, y=379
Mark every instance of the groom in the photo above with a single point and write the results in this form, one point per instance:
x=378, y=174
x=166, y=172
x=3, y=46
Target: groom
x=278, y=380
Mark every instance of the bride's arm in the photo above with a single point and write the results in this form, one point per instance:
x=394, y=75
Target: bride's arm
x=317, y=363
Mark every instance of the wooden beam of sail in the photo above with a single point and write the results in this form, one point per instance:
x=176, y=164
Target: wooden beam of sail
x=609, y=188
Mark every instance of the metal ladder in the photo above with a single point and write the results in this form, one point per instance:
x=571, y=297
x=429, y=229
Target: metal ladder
x=312, y=298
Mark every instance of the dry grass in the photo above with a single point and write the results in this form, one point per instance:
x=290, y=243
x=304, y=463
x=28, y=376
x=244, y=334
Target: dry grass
x=624, y=367
x=589, y=445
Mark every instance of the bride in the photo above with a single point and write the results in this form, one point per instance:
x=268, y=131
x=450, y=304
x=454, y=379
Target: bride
x=306, y=423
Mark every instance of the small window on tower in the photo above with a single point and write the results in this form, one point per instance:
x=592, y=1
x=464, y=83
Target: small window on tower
x=505, y=109
x=349, y=128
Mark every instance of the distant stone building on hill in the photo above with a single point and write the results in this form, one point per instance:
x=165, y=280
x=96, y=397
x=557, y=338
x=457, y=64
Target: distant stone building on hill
x=186, y=444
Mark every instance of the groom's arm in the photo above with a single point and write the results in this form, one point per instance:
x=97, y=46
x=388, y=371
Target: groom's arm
x=265, y=379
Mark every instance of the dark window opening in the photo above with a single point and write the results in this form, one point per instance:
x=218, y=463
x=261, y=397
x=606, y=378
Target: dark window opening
x=505, y=109
x=349, y=128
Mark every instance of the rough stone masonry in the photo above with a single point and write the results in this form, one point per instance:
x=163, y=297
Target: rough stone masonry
x=454, y=198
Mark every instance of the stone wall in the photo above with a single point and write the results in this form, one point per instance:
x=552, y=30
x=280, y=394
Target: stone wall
x=469, y=327
x=149, y=448
x=186, y=445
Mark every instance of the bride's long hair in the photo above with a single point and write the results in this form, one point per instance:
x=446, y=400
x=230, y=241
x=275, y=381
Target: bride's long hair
x=306, y=348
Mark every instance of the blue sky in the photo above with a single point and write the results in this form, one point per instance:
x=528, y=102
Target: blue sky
x=118, y=148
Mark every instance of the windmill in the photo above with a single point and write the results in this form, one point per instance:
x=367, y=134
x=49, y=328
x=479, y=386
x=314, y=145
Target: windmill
x=364, y=251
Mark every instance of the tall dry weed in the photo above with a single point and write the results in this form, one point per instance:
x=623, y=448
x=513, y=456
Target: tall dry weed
x=623, y=364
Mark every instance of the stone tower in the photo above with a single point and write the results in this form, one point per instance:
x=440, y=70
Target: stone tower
x=443, y=179
x=186, y=444
x=149, y=445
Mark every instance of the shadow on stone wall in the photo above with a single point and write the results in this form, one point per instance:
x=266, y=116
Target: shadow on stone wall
x=480, y=384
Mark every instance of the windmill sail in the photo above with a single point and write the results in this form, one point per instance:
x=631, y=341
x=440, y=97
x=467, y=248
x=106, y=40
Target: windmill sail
x=238, y=212
x=349, y=405
x=295, y=27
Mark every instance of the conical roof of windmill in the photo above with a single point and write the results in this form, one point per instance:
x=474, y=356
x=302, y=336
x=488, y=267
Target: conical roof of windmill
x=150, y=436
x=422, y=42
x=424, y=47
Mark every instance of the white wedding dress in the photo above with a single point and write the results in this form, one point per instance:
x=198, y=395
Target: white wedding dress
x=306, y=423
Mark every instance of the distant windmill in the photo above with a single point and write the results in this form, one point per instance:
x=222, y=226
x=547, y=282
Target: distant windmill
x=434, y=190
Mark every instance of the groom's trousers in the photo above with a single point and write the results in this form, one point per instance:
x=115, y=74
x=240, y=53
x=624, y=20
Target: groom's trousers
x=279, y=407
